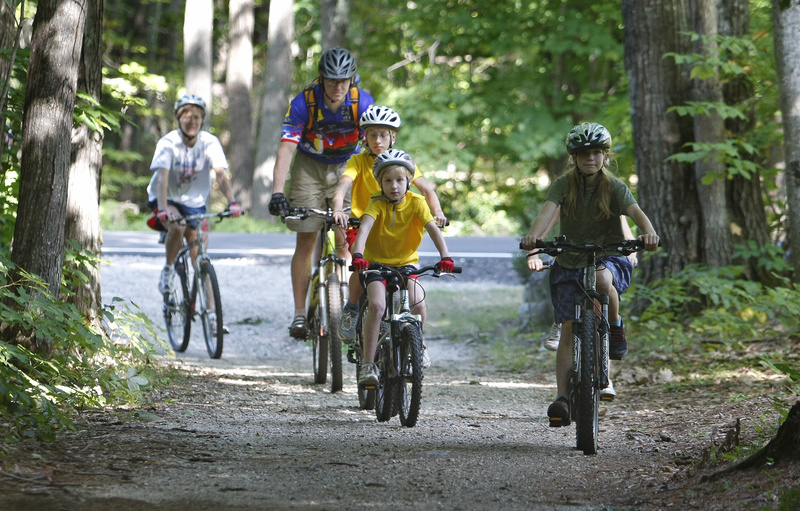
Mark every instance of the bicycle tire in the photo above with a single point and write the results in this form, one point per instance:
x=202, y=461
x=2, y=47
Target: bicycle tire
x=334, y=312
x=366, y=397
x=409, y=385
x=176, y=311
x=586, y=426
x=384, y=393
x=213, y=332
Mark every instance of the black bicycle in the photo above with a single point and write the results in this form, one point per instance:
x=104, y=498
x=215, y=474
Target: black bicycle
x=590, y=336
x=327, y=291
x=183, y=305
x=399, y=349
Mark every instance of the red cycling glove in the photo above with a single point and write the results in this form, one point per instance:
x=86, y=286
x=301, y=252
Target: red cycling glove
x=359, y=263
x=446, y=264
x=235, y=208
x=163, y=216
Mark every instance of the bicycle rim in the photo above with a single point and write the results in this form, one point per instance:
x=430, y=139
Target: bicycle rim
x=334, y=318
x=384, y=393
x=176, y=312
x=409, y=388
x=586, y=426
x=211, y=314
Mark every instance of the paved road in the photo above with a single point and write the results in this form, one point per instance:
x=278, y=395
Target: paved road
x=145, y=243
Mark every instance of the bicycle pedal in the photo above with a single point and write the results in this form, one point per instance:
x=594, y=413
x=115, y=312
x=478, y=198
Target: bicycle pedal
x=557, y=422
x=368, y=387
x=606, y=397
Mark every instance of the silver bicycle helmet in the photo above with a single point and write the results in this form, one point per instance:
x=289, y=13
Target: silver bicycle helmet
x=393, y=157
x=380, y=116
x=189, y=99
x=588, y=135
x=337, y=64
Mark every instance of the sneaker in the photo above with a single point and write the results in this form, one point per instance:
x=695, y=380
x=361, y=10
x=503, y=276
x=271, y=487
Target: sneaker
x=347, y=326
x=368, y=375
x=165, y=282
x=298, y=328
x=608, y=393
x=552, y=339
x=617, y=345
x=558, y=412
x=426, y=360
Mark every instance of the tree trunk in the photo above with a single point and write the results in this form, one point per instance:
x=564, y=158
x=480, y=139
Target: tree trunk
x=744, y=197
x=710, y=129
x=47, y=125
x=198, y=27
x=275, y=100
x=334, y=18
x=786, y=28
x=83, y=198
x=667, y=191
x=240, y=112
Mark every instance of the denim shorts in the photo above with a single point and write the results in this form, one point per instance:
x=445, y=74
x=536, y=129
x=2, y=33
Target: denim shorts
x=566, y=284
x=183, y=210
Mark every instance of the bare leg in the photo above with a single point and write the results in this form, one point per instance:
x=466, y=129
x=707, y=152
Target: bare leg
x=301, y=267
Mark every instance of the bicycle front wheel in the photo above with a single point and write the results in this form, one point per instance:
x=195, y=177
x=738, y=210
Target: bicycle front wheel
x=409, y=389
x=334, y=295
x=211, y=314
x=176, y=311
x=586, y=426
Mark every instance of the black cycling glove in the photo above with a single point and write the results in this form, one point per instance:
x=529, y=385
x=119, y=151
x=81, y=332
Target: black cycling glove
x=278, y=205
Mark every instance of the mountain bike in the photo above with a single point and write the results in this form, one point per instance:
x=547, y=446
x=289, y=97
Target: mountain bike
x=327, y=291
x=184, y=305
x=399, y=350
x=590, y=337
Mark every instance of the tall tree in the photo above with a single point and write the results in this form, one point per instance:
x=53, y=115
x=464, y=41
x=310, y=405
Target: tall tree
x=334, y=18
x=667, y=189
x=198, y=27
x=47, y=126
x=786, y=23
x=83, y=197
x=709, y=130
x=744, y=198
x=274, y=101
x=240, y=112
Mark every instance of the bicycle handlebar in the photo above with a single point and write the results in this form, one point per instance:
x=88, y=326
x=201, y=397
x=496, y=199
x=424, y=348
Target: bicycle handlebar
x=383, y=269
x=201, y=216
x=560, y=244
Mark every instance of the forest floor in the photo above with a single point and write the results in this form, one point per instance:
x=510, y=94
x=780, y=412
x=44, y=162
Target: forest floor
x=251, y=431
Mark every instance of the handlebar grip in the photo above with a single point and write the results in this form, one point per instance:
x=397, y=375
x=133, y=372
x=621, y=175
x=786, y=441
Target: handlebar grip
x=457, y=269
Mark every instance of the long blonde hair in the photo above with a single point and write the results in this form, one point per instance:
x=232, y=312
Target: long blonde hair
x=577, y=186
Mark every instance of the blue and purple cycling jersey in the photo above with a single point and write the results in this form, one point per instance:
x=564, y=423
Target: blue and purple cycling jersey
x=334, y=137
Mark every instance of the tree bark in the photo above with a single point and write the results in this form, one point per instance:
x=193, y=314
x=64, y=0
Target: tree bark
x=667, y=190
x=83, y=197
x=710, y=129
x=274, y=102
x=240, y=111
x=334, y=18
x=198, y=29
x=47, y=125
x=786, y=28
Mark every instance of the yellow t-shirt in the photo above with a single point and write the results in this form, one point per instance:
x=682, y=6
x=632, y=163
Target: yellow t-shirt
x=398, y=230
x=359, y=169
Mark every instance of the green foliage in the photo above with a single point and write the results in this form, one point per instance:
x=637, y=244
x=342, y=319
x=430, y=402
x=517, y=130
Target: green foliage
x=89, y=366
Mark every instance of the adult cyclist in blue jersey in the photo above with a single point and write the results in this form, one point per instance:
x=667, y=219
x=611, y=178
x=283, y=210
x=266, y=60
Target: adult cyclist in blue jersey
x=320, y=132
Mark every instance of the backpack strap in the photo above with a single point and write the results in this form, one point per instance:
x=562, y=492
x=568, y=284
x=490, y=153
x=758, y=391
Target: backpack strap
x=311, y=104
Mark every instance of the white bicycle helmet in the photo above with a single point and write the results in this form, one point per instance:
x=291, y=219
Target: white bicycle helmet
x=380, y=116
x=588, y=135
x=393, y=157
x=190, y=99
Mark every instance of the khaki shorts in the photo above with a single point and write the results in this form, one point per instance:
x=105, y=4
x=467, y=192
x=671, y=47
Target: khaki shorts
x=311, y=185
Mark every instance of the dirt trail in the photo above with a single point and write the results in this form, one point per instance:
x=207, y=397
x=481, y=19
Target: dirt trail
x=251, y=431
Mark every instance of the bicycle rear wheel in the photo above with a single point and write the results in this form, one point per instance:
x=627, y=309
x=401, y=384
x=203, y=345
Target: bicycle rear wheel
x=211, y=313
x=409, y=386
x=384, y=393
x=334, y=294
x=586, y=426
x=176, y=311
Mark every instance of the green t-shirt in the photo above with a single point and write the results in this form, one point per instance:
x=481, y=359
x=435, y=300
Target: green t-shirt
x=583, y=225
